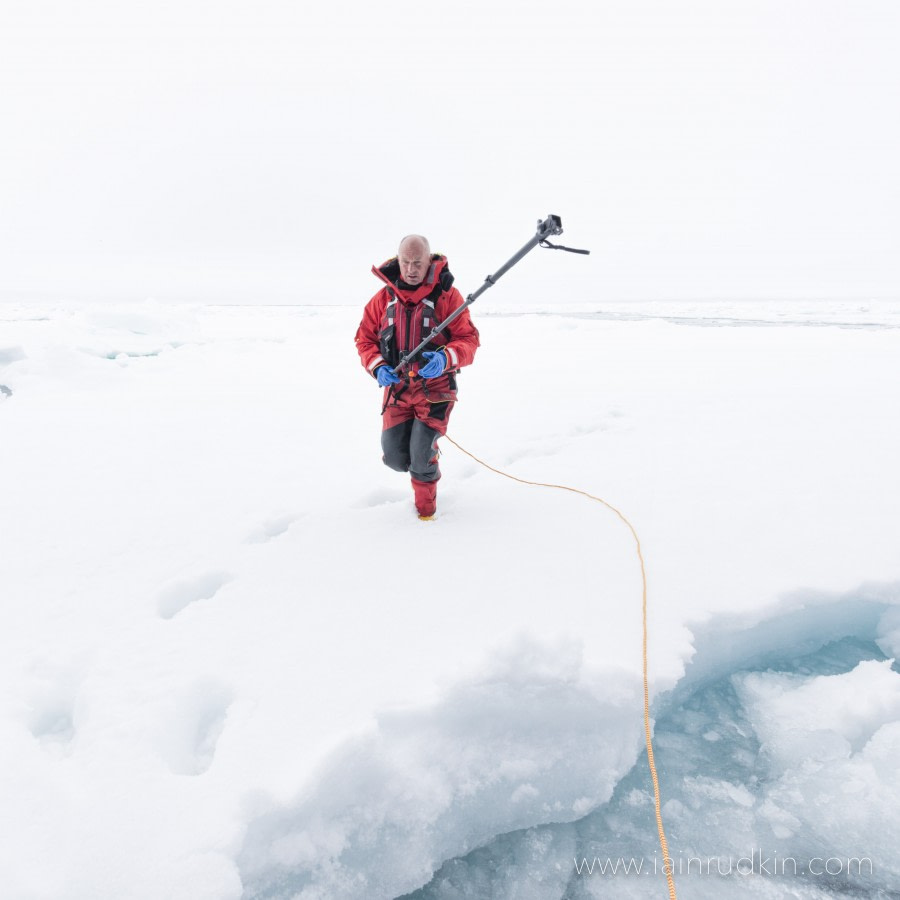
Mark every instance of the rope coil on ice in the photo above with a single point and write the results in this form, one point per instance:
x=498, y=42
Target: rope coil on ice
x=667, y=863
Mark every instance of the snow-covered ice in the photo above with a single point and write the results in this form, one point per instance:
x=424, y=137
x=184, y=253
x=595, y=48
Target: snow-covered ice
x=234, y=664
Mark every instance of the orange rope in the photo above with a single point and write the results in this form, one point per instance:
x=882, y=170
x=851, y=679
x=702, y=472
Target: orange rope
x=667, y=862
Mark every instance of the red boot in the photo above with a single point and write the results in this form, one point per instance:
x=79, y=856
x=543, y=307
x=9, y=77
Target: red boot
x=426, y=497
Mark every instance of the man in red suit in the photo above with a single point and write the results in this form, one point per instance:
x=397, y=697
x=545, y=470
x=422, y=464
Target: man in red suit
x=417, y=295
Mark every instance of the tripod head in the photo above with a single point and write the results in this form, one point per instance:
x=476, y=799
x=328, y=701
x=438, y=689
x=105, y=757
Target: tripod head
x=550, y=225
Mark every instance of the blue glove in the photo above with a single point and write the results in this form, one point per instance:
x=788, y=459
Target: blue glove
x=436, y=364
x=385, y=376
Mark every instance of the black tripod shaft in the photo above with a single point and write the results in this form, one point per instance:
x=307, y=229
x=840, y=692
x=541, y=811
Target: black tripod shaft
x=550, y=225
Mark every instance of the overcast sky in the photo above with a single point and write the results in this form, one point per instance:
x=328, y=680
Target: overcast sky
x=274, y=151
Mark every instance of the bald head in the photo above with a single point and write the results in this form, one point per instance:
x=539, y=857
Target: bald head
x=414, y=257
x=415, y=241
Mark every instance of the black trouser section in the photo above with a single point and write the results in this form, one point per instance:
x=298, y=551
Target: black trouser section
x=412, y=447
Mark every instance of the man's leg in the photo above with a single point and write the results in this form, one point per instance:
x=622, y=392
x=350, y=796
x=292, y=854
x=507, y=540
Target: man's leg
x=423, y=452
x=423, y=468
x=395, y=445
x=396, y=425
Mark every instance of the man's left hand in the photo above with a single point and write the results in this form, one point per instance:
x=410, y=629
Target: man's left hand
x=437, y=362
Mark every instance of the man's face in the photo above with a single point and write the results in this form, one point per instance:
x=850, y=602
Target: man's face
x=414, y=260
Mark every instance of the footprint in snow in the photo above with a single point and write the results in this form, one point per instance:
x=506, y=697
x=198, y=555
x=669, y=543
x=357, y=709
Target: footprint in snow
x=50, y=705
x=173, y=598
x=271, y=528
x=195, y=723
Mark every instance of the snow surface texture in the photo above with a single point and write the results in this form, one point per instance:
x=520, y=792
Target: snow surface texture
x=234, y=664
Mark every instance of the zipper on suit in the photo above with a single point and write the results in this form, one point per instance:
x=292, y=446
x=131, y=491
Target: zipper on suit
x=409, y=342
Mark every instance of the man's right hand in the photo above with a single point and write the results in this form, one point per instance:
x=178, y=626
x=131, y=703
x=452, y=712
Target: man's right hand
x=386, y=376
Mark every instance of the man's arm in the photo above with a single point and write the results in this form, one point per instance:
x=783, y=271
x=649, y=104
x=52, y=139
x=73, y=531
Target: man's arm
x=367, y=335
x=464, y=339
